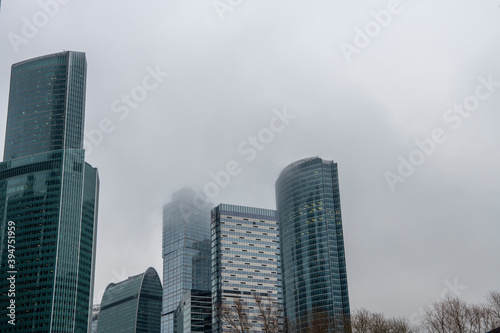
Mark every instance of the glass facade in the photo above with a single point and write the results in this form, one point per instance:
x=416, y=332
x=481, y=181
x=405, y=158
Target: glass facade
x=132, y=306
x=186, y=250
x=194, y=313
x=51, y=196
x=245, y=264
x=312, y=242
x=46, y=105
x=95, y=317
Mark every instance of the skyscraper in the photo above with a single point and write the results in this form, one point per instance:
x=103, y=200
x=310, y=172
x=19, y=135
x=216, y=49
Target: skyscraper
x=132, y=306
x=186, y=251
x=46, y=105
x=48, y=199
x=245, y=269
x=312, y=246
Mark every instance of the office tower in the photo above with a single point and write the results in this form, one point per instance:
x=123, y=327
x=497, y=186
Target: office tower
x=46, y=105
x=186, y=250
x=50, y=196
x=312, y=246
x=133, y=305
x=194, y=313
x=246, y=268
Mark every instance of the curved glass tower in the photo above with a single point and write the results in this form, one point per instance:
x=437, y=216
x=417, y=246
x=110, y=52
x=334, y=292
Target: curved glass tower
x=133, y=305
x=48, y=200
x=312, y=247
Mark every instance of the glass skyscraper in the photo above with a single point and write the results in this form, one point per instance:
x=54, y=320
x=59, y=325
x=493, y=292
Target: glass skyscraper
x=312, y=246
x=132, y=306
x=186, y=250
x=48, y=199
x=245, y=268
x=46, y=105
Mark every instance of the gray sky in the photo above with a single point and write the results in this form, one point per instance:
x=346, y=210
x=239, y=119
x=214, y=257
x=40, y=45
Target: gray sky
x=360, y=92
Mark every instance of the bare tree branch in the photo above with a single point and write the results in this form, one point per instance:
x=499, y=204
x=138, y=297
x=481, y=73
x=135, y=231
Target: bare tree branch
x=270, y=314
x=233, y=314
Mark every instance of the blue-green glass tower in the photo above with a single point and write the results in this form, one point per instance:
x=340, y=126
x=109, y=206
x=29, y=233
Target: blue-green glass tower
x=312, y=247
x=46, y=105
x=133, y=305
x=48, y=199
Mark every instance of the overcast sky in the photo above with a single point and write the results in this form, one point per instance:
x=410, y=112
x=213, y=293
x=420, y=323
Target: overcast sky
x=354, y=82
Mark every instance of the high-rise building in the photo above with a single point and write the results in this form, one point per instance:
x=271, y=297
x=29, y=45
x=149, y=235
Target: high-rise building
x=246, y=269
x=312, y=246
x=186, y=250
x=46, y=105
x=132, y=306
x=48, y=199
x=194, y=313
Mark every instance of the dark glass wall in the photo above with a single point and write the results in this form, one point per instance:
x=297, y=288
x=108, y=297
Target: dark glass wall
x=313, y=259
x=46, y=105
x=150, y=304
x=194, y=313
x=54, y=236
